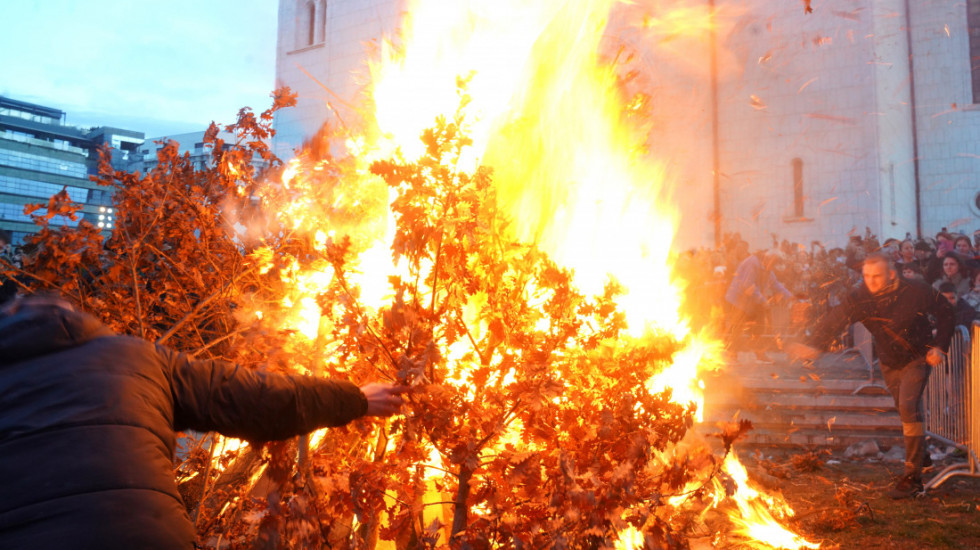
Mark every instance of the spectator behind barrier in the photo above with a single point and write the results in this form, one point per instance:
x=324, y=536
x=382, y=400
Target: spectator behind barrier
x=906, y=254
x=944, y=245
x=955, y=272
x=962, y=312
x=962, y=246
x=912, y=272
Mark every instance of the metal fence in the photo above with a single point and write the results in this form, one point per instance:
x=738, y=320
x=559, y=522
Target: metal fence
x=953, y=403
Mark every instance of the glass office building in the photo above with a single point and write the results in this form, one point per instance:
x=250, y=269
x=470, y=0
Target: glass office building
x=40, y=155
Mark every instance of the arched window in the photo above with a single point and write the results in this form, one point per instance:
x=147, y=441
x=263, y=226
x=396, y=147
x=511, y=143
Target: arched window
x=305, y=23
x=973, y=32
x=321, y=21
x=311, y=26
x=797, y=187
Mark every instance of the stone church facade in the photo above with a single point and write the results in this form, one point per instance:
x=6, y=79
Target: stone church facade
x=860, y=115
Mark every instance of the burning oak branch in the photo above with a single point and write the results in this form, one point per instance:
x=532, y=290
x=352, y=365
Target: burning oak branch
x=513, y=271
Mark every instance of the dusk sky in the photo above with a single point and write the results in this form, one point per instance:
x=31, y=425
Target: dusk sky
x=157, y=67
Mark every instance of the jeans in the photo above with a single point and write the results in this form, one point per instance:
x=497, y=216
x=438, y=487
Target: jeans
x=907, y=385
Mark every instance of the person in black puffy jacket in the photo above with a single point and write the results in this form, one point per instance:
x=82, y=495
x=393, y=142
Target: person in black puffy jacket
x=88, y=421
x=912, y=325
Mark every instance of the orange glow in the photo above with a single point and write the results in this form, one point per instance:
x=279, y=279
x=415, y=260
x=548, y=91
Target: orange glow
x=547, y=112
x=759, y=512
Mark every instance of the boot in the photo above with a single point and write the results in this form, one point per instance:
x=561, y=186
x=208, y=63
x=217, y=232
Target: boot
x=915, y=455
x=907, y=486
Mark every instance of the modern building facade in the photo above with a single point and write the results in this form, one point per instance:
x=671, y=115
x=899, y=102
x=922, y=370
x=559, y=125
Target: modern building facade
x=40, y=155
x=777, y=123
x=191, y=144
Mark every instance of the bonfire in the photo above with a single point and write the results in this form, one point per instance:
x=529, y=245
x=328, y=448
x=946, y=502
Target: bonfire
x=491, y=231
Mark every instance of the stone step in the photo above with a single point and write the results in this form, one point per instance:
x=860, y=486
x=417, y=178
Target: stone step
x=808, y=385
x=818, y=439
x=827, y=421
x=831, y=405
x=767, y=400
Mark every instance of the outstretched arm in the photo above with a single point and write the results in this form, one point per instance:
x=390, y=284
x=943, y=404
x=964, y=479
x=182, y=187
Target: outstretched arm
x=239, y=402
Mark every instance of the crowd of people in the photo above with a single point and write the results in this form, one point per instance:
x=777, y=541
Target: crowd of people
x=908, y=294
x=815, y=277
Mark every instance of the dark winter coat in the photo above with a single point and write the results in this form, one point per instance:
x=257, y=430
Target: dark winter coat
x=901, y=321
x=87, y=421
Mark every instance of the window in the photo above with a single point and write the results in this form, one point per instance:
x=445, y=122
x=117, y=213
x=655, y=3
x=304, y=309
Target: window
x=305, y=23
x=39, y=189
x=311, y=22
x=321, y=20
x=40, y=163
x=797, y=188
x=311, y=29
x=973, y=27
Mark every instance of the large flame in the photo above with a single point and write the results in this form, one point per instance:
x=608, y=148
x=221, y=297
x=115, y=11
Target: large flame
x=756, y=520
x=548, y=119
x=548, y=113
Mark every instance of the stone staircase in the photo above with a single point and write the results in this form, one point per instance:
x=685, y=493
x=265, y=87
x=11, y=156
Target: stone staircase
x=827, y=404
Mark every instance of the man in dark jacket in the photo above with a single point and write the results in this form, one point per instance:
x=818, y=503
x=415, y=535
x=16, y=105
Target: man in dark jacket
x=87, y=422
x=897, y=313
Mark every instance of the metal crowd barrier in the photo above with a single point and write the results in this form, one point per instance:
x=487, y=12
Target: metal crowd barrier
x=862, y=344
x=953, y=403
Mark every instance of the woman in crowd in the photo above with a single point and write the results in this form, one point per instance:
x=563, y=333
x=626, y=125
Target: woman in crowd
x=906, y=254
x=964, y=248
x=954, y=271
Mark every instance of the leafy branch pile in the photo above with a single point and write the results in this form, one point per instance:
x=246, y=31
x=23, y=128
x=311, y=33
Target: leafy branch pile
x=530, y=425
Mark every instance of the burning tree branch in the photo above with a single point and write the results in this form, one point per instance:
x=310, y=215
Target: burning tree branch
x=533, y=415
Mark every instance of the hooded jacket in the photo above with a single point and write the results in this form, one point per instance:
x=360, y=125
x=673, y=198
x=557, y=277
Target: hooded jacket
x=900, y=319
x=88, y=420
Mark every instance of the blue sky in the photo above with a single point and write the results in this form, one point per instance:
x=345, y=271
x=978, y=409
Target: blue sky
x=160, y=67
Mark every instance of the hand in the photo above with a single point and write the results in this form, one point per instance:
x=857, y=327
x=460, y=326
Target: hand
x=383, y=399
x=801, y=351
x=934, y=357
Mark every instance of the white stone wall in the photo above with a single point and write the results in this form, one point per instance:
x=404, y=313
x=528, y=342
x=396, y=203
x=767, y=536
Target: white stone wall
x=892, y=116
x=328, y=74
x=948, y=121
x=802, y=87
